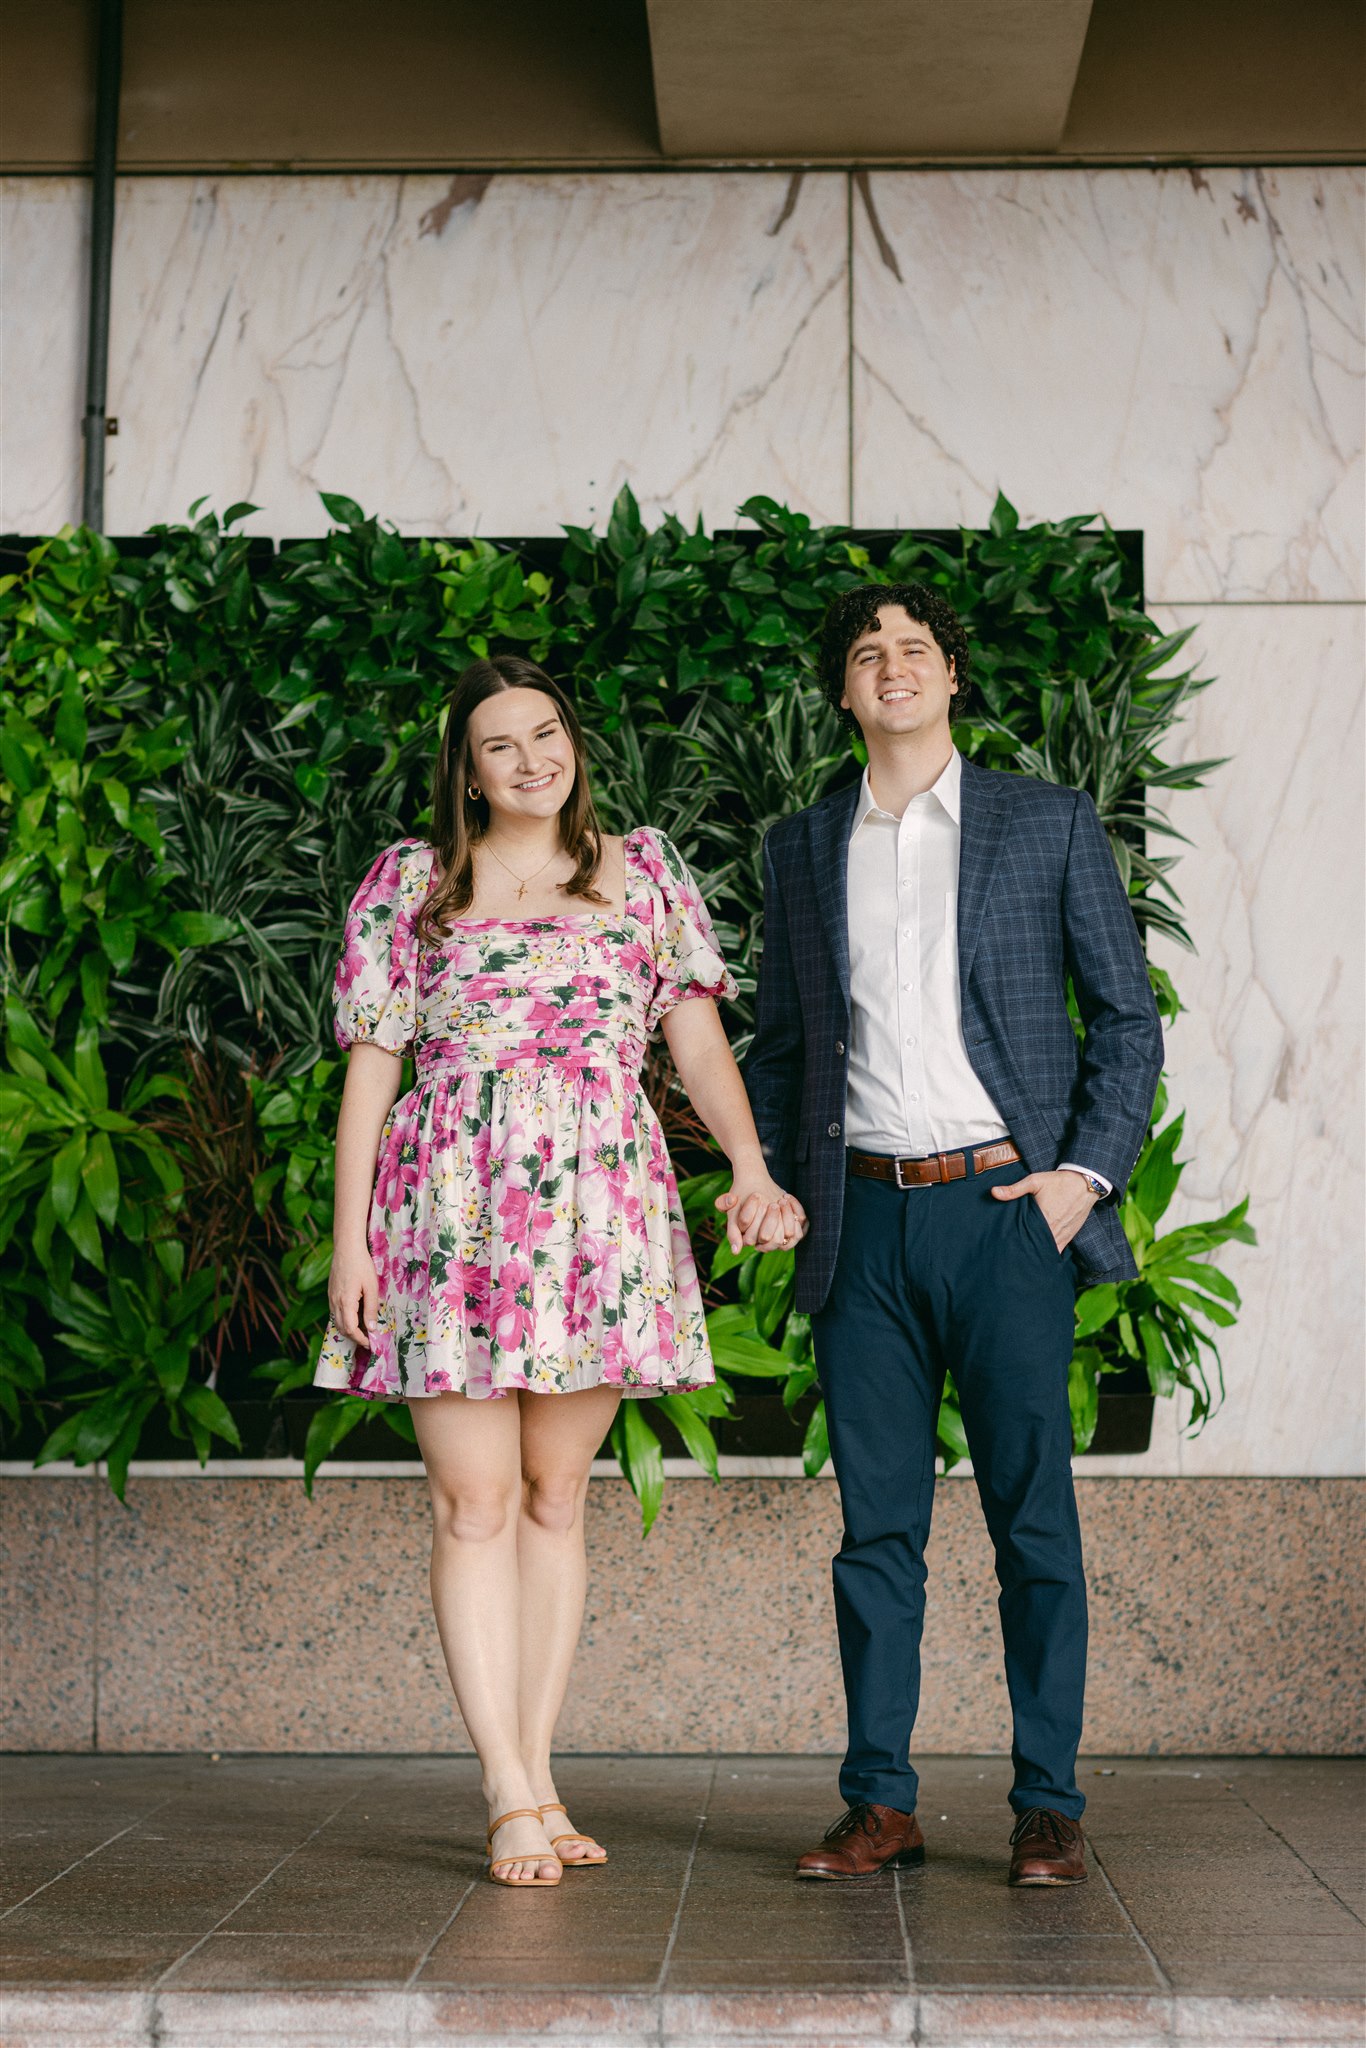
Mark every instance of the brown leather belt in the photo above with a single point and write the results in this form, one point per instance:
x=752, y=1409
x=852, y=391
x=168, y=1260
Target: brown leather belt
x=940, y=1166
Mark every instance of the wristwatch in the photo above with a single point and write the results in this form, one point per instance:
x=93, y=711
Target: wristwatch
x=1097, y=1187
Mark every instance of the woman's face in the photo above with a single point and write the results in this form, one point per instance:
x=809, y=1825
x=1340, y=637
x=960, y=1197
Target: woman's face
x=520, y=755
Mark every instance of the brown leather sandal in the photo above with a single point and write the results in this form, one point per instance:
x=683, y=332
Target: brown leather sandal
x=574, y=1862
x=518, y=1884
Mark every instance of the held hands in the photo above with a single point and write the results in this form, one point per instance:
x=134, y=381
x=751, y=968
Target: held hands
x=1062, y=1195
x=757, y=1211
x=352, y=1285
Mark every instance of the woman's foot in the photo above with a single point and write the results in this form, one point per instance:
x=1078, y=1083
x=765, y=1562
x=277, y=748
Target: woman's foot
x=519, y=1848
x=568, y=1845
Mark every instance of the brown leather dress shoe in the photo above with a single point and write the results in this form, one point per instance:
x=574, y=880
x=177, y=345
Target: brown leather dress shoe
x=1047, y=1848
x=864, y=1841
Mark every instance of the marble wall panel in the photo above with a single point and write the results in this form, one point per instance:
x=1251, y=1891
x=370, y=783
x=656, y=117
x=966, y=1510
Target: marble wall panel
x=1267, y=1056
x=493, y=355
x=43, y=257
x=1180, y=350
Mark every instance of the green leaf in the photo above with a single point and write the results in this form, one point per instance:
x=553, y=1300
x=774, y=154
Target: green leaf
x=693, y=1428
x=211, y=1412
x=89, y=1067
x=101, y=1178
x=199, y=928
x=641, y=1460
x=64, y=1185
x=333, y=1422
x=816, y=1443
x=345, y=511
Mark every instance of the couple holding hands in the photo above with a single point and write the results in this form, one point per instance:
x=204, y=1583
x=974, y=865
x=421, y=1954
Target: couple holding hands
x=916, y=1115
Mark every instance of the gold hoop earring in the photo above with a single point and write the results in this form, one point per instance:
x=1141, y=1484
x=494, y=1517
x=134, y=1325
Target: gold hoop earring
x=473, y=792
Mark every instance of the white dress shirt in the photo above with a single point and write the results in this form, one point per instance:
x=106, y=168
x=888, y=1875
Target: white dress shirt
x=911, y=1087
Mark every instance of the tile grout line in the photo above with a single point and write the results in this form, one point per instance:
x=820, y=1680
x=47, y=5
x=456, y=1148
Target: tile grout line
x=667, y=1958
x=95, y=1628
x=1164, y=1981
x=906, y=1954
x=161, y=1982
x=426, y=1956
x=1271, y=1827
x=98, y=1849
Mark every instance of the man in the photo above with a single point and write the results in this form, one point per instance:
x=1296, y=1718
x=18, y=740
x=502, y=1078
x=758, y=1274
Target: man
x=916, y=1080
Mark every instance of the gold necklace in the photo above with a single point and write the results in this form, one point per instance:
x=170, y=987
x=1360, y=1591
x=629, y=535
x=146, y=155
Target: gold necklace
x=521, y=885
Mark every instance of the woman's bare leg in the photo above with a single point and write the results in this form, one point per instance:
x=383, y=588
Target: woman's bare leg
x=560, y=1436
x=472, y=1453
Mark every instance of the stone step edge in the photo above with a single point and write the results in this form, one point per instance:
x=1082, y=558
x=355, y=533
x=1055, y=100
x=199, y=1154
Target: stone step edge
x=435, y=2017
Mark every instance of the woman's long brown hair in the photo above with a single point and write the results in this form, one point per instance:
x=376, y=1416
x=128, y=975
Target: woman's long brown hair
x=459, y=821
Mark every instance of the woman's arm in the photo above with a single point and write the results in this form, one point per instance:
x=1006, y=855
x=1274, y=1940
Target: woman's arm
x=756, y=1209
x=371, y=1090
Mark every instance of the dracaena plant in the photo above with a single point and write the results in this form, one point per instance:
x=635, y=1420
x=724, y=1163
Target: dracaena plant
x=205, y=741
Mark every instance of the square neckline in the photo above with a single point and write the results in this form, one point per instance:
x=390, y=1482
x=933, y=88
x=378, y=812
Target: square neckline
x=594, y=916
x=622, y=916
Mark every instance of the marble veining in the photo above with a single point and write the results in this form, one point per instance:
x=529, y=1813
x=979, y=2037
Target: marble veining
x=479, y=355
x=1180, y=350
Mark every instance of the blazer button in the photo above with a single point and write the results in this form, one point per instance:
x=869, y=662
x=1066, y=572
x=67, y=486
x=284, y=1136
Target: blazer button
x=832, y=1130
x=839, y=1045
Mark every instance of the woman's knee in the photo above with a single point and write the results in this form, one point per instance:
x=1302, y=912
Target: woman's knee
x=554, y=1500
x=475, y=1514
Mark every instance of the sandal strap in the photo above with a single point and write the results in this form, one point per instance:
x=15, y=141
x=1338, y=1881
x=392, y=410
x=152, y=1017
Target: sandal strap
x=515, y=1813
x=575, y=1836
x=554, y=1806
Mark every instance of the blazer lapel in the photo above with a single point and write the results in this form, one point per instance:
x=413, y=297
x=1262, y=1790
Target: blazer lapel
x=981, y=834
x=829, y=826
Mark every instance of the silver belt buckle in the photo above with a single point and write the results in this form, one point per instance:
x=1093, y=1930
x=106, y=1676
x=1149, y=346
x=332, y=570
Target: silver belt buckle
x=904, y=1185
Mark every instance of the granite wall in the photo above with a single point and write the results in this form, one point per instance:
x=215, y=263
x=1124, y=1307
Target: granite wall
x=1180, y=350
x=234, y=1614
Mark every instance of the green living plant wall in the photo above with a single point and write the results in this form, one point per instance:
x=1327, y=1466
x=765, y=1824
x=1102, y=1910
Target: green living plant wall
x=205, y=742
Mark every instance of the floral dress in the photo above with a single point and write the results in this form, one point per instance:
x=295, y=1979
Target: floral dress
x=526, y=1225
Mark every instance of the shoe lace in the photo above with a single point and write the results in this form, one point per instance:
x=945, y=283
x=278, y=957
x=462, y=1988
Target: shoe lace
x=1041, y=1820
x=861, y=1816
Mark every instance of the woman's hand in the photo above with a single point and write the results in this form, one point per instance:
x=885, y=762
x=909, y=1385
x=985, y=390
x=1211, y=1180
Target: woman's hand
x=353, y=1284
x=759, y=1212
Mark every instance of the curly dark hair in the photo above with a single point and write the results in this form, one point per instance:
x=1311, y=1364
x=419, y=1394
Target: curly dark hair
x=855, y=611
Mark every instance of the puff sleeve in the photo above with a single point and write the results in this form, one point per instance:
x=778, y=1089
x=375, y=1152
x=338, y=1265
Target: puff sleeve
x=374, y=994
x=688, y=959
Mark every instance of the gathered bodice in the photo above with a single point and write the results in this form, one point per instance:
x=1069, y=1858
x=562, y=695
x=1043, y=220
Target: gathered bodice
x=572, y=992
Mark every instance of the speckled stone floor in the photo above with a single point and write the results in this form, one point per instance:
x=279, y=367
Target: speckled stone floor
x=262, y=1900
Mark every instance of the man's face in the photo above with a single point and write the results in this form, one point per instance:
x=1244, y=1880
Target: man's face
x=896, y=679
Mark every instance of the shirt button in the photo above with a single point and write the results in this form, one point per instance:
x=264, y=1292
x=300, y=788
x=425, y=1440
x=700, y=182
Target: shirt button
x=914, y=1096
x=908, y=933
x=832, y=1130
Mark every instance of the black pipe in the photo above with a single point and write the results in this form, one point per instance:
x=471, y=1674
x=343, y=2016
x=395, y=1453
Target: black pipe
x=109, y=66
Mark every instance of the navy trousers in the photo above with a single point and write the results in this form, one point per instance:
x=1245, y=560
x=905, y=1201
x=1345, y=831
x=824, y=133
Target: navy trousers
x=928, y=1279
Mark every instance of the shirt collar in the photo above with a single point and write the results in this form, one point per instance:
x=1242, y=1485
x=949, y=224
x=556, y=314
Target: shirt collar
x=948, y=789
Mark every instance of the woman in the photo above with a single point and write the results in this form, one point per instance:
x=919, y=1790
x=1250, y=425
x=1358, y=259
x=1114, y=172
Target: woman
x=510, y=1256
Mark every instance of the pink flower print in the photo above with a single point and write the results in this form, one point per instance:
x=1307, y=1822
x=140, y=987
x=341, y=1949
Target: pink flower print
x=526, y=1220
x=605, y=1170
x=350, y=967
x=474, y=1292
x=512, y=1305
x=648, y=856
x=400, y=1168
x=438, y=1382
x=639, y=962
x=594, y=1277
x=664, y=1330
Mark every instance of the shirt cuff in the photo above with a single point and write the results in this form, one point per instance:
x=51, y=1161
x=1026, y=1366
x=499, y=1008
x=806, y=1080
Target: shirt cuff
x=1070, y=1166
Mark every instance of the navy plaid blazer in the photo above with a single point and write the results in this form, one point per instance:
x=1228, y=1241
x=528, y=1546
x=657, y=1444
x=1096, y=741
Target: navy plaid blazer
x=1039, y=896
